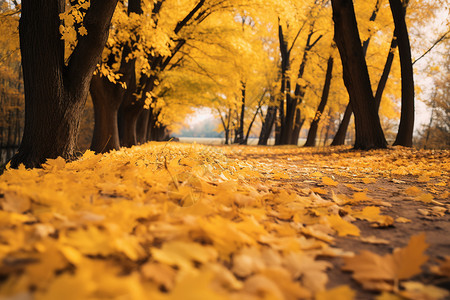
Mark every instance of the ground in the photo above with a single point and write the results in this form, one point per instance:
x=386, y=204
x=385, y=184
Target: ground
x=180, y=221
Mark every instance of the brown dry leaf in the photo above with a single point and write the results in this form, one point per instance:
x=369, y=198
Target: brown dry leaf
x=343, y=292
x=444, y=268
x=418, y=291
x=404, y=263
x=12, y=202
x=402, y=220
x=290, y=289
x=374, y=240
x=311, y=271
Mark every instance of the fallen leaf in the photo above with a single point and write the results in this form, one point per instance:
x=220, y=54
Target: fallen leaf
x=328, y=181
x=370, y=269
x=343, y=227
x=418, y=290
x=343, y=292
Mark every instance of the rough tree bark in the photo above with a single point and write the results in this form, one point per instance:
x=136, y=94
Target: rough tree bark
x=406, y=126
x=369, y=133
x=312, y=133
x=55, y=93
x=339, y=138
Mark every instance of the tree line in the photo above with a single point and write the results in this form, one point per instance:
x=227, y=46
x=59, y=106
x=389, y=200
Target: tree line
x=146, y=64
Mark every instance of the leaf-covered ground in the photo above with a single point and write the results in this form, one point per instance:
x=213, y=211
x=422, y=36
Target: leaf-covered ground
x=178, y=221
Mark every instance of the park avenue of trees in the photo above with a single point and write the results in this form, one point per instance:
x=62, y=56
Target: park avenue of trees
x=271, y=67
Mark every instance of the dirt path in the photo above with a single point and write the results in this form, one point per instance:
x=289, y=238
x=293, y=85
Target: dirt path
x=385, y=177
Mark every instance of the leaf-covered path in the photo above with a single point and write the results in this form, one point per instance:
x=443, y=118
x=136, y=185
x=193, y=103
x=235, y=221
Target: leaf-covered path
x=177, y=221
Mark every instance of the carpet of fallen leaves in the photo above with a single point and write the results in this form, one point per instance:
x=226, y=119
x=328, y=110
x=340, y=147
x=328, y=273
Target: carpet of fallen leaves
x=178, y=221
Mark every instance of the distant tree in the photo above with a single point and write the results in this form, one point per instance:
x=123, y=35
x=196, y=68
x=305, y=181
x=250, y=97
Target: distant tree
x=56, y=89
x=436, y=134
x=312, y=133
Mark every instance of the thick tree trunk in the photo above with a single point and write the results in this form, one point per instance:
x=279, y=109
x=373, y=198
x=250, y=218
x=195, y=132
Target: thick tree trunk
x=369, y=133
x=406, y=126
x=55, y=94
x=339, y=138
x=312, y=133
x=106, y=97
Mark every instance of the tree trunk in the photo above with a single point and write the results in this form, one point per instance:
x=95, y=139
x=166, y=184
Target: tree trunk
x=312, y=133
x=339, y=138
x=240, y=130
x=266, y=128
x=55, y=94
x=385, y=74
x=297, y=127
x=285, y=88
x=142, y=126
x=406, y=126
x=369, y=133
x=295, y=122
x=106, y=97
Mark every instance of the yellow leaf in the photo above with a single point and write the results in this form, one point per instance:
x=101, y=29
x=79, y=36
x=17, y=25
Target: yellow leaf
x=368, y=180
x=371, y=269
x=328, y=181
x=423, y=178
x=402, y=220
x=425, y=197
x=355, y=188
x=388, y=296
x=417, y=290
x=319, y=190
x=413, y=191
x=159, y=273
x=408, y=260
x=183, y=254
x=343, y=227
x=82, y=30
x=357, y=197
x=280, y=176
x=372, y=214
x=343, y=292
